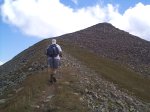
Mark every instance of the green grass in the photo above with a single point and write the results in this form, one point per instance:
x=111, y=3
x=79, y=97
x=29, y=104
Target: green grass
x=21, y=101
x=114, y=72
x=65, y=99
x=33, y=86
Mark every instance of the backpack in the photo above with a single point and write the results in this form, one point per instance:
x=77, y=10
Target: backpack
x=52, y=51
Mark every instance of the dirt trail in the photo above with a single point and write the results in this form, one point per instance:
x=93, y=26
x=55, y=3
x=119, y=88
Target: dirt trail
x=42, y=103
x=81, y=89
x=62, y=95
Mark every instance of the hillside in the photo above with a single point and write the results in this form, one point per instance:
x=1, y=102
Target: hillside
x=107, y=41
x=100, y=72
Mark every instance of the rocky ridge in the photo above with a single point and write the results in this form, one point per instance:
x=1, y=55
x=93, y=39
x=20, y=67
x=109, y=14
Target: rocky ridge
x=101, y=95
x=107, y=41
x=14, y=72
x=94, y=92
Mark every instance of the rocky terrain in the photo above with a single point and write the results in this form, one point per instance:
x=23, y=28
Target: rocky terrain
x=107, y=41
x=79, y=88
x=99, y=94
x=16, y=70
x=97, y=74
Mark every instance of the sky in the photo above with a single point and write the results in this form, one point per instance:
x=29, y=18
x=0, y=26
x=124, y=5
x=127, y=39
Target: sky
x=26, y=22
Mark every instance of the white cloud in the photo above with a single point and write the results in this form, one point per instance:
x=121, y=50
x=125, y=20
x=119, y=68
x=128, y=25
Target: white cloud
x=1, y=63
x=48, y=18
x=135, y=20
x=75, y=1
x=44, y=18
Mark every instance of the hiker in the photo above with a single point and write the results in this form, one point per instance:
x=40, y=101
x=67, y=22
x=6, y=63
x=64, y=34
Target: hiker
x=54, y=52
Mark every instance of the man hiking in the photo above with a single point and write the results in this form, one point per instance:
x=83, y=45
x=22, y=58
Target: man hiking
x=54, y=52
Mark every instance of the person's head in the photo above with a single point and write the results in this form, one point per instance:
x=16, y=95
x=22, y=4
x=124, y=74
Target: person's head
x=53, y=41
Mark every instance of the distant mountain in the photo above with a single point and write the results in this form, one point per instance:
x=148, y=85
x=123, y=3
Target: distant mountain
x=107, y=41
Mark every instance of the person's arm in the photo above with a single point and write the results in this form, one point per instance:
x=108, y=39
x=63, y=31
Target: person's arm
x=60, y=53
x=60, y=50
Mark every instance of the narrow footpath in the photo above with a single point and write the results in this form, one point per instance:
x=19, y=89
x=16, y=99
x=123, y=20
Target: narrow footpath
x=80, y=89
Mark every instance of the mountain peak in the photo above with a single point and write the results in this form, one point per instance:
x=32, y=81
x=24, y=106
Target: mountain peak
x=110, y=42
x=90, y=57
x=104, y=24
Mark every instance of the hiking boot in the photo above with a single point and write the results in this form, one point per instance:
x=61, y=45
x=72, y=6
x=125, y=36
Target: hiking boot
x=54, y=79
x=50, y=81
x=51, y=78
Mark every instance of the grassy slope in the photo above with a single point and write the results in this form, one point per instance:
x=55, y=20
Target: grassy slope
x=36, y=83
x=64, y=100
x=67, y=98
x=114, y=72
x=22, y=100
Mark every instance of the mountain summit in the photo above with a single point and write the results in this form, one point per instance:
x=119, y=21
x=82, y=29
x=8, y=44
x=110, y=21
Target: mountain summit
x=107, y=41
x=103, y=69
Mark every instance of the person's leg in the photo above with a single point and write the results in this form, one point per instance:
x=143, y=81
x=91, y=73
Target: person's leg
x=54, y=63
x=53, y=75
x=56, y=66
x=50, y=69
x=52, y=72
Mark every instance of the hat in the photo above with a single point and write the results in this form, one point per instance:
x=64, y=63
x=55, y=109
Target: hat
x=53, y=41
